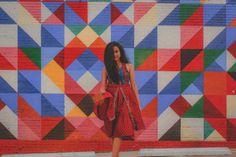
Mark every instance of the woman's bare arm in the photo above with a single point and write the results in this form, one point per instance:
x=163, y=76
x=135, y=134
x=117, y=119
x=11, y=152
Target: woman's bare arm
x=103, y=81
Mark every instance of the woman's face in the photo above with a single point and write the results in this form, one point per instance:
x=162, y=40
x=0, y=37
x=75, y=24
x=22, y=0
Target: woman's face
x=116, y=53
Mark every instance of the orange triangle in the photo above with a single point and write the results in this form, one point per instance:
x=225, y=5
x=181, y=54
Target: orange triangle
x=34, y=8
x=71, y=86
x=70, y=54
x=98, y=43
x=197, y=64
x=173, y=64
x=99, y=52
x=150, y=109
x=196, y=41
x=49, y=123
x=76, y=43
x=5, y=64
x=24, y=63
x=150, y=63
x=53, y=19
x=140, y=9
x=196, y=19
x=122, y=20
x=233, y=23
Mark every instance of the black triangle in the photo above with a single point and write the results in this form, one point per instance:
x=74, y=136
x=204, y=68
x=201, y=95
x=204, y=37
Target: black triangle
x=173, y=134
x=4, y=133
x=57, y=133
x=187, y=56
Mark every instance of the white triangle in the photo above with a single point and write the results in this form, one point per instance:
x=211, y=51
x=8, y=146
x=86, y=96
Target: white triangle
x=47, y=85
x=230, y=60
x=69, y=105
x=106, y=35
x=94, y=9
x=215, y=136
x=10, y=120
x=129, y=13
x=164, y=79
x=11, y=77
x=69, y=35
x=210, y=33
x=45, y=13
x=163, y=10
x=192, y=99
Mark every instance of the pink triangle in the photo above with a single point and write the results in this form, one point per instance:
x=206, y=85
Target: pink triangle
x=53, y=20
x=140, y=9
x=96, y=121
x=150, y=133
x=122, y=20
x=25, y=132
x=71, y=86
x=187, y=33
x=88, y=125
x=76, y=121
x=10, y=54
x=34, y=8
x=164, y=55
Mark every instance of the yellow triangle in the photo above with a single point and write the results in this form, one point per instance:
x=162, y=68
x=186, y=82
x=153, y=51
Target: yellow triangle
x=76, y=112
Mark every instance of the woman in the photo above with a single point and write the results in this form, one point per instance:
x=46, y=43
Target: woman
x=121, y=112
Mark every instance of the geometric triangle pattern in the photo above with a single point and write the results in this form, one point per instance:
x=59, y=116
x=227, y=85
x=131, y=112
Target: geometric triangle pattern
x=183, y=53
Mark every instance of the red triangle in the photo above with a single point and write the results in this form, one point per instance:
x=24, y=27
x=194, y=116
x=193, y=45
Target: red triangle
x=216, y=102
x=173, y=64
x=52, y=19
x=115, y=13
x=220, y=124
x=196, y=42
x=231, y=85
x=231, y=125
x=196, y=19
x=140, y=9
x=122, y=20
x=29, y=129
x=70, y=54
x=71, y=86
x=76, y=98
x=80, y=8
x=99, y=136
x=96, y=89
x=211, y=110
x=233, y=23
x=76, y=43
x=99, y=52
x=2, y=104
x=60, y=13
x=180, y=106
x=5, y=64
x=150, y=63
x=98, y=43
x=49, y=123
x=34, y=8
x=232, y=49
x=150, y=132
x=68, y=128
x=59, y=58
x=197, y=64
x=76, y=135
x=25, y=110
x=24, y=63
x=150, y=109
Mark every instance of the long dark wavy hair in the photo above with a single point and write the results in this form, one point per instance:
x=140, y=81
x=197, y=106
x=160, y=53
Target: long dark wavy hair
x=110, y=63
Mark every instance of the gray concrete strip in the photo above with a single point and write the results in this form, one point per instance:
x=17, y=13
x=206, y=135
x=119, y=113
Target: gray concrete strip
x=184, y=151
x=67, y=154
x=122, y=154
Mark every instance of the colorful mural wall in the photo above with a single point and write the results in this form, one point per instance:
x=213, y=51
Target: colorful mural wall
x=51, y=56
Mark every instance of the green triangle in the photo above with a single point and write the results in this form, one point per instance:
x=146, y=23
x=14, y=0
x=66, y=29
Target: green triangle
x=233, y=68
x=34, y=55
x=196, y=111
x=76, y=29
x=99, y=29
x=186, y=10
x=187, y=78
x=140, y=55
x=207, y=129
x=210, y=56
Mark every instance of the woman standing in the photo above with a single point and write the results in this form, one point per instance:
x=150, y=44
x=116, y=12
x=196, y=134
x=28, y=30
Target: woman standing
x=121, y=112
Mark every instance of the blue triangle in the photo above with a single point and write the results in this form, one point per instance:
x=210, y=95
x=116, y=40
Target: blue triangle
x=150, y=87
x=48, y=54
x=210, y=10
x=48, y=40
x=96, y=69
x=150, y=41
x=192, y=89
x=5, y=87
x=52, y=105
x=128, y=39
x=87, y=59
x=214, y=67
x=34, y=100
x=230, y=36
x=145, y=99
x=164, y=101
x=198, y=83
x=142, y=78
x=221, y=61
x=219, y=42
x=76, y=70
x=173, y=87
x=25, y=86
x=172, y=18
x=103, y=18
x=52, y=6
x=24, y=40
x=219, y=19
x=72, y=18
x=31, y=78
x=5, y=19
x=121, y=6
x=230, y=13
x=11, y=100
x=168, y=1
x=57, y=31
x=130, y=54
x=119, y=31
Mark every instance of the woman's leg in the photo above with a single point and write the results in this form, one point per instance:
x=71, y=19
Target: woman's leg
x=116, y=141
